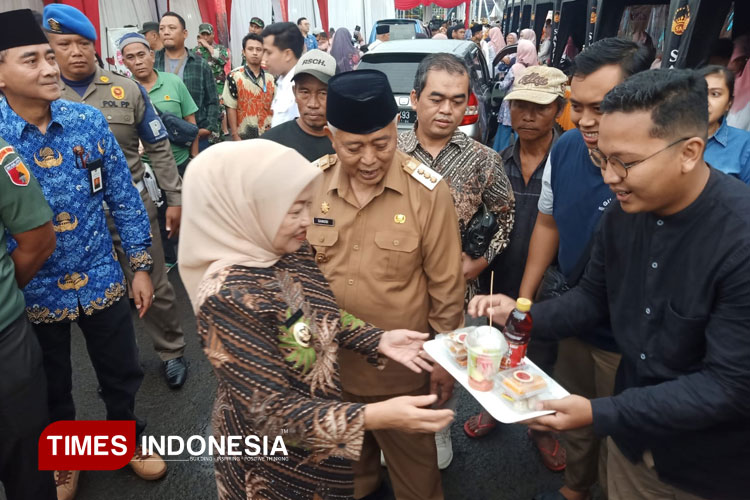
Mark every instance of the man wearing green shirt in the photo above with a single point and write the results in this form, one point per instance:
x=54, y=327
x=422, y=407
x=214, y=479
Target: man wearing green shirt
x=23, y=388
x=166, y=90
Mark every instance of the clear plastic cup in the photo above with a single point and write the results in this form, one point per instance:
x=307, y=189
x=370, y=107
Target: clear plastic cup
x=485, y=347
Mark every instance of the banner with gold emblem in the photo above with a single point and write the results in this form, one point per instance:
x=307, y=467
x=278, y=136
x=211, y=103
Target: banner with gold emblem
x=679, y=30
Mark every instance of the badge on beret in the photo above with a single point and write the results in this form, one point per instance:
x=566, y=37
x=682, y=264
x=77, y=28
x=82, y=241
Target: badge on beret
x=54, y=26
x=104, y=79
x=117, y=92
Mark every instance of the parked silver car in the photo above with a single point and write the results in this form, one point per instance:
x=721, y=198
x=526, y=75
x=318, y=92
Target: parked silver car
x=399, y=61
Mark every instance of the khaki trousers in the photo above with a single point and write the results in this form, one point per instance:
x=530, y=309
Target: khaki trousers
x=161, y=320
x=411, y=459
x=589, y=372
x=627, y=480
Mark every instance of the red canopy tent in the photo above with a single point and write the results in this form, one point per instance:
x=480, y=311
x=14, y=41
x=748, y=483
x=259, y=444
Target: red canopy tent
x=448, y=4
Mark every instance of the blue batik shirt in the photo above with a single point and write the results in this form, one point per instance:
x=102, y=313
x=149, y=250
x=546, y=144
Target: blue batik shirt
x=83, y=271
x=311, y=42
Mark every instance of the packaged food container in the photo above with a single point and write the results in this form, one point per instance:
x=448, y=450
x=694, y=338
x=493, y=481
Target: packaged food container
x=456, y=343
x=521, y=387
x=485, y=347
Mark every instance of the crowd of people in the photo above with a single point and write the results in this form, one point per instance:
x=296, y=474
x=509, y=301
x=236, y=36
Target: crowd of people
x=320, y=248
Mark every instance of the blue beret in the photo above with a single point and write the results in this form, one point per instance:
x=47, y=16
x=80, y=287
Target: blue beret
x=66, y=20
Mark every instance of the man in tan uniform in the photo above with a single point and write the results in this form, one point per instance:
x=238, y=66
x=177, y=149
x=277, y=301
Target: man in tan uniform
x=386, y=237
x=131, y=117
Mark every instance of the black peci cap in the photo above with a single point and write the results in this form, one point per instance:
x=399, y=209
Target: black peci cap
x=360, y=102
x=382, y=29
x=19, y=28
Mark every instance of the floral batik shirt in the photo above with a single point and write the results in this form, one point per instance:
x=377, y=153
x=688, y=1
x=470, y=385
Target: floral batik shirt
x=83, y=270
x=251, y=96
x=272, y=336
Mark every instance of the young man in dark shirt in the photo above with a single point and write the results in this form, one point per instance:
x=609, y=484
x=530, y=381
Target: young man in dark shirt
x=306, y=134
x=670, y=267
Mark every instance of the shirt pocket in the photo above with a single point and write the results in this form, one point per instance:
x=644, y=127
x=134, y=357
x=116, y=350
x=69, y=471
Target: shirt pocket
x=396, y=255
x=323, y=241
x=682, y=341
x=119, y=116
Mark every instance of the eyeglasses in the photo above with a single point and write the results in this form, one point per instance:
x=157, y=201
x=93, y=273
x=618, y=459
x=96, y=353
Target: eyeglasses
x=620, y=167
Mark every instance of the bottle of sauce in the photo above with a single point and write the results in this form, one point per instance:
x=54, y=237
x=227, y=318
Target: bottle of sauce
x=517, y=332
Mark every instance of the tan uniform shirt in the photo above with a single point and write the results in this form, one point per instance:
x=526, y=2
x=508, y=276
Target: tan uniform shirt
x=396, y=262
x=122, y=104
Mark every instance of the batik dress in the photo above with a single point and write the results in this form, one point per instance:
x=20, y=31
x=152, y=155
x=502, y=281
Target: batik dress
x=272, y=336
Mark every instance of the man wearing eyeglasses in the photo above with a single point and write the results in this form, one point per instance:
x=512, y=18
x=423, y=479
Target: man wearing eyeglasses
x=670, y=268
x=572, y=201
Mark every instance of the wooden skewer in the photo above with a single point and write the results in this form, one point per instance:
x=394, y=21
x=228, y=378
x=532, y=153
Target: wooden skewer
x=492, y=283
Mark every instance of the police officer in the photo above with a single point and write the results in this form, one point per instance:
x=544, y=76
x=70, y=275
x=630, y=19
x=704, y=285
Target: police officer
x=131, y=117
x=386, y=237
x=79, y=166
x=23, y=389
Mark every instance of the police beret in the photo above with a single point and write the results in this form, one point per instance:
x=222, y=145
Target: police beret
x=66, y=20
x=360, y=102
x=18, y=28
x=382, y=29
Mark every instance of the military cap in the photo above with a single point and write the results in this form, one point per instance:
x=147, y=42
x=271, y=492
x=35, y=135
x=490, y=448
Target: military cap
x=18, y=28
x=360, y=102
x=66, y=20
x=206, y=28
x=382, y=29
x=149, y=26
x=258, y=22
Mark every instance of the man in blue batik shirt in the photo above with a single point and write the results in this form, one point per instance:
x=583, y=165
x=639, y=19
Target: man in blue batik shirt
x=77, y=161
x=304, y=26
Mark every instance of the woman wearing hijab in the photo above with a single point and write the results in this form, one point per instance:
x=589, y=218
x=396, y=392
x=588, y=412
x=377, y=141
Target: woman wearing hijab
x=528, y=34
x=346, y=55
x=493, y=45
x=525, y=57
x=271, y=329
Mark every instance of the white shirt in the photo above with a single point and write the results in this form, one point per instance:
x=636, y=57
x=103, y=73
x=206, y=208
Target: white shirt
x=284, y=106
x=546, y=197
x=374, y=44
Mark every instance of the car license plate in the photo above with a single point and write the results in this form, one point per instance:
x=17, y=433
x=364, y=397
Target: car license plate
x=407, y=116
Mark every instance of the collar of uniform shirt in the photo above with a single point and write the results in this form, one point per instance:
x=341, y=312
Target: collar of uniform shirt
x=392, y=180
x=14, y=125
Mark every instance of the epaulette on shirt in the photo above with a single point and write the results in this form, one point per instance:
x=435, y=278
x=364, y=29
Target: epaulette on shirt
x=324, y=162
x=422, y=173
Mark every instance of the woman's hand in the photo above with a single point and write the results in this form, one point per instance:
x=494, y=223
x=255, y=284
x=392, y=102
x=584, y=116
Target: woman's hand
x=405, y=346
x=407, y=414
x=501, y=306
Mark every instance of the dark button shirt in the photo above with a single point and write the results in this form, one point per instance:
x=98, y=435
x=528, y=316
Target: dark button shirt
x=292, y=136
x=677, y=290
x=510, y=264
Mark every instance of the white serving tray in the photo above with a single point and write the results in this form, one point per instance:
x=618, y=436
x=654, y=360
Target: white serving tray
x=490, y=400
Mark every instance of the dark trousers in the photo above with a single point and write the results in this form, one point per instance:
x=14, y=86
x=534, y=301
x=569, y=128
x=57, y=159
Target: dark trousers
x=23, y=414
x=170, y=245
x=110, y=341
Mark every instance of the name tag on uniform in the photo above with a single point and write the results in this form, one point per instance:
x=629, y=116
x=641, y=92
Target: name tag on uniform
x=319, y=221
x=95, y=175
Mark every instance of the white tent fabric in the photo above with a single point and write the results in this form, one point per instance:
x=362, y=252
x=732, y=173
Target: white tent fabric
x=304, y=8
x=242, y=12
x=365, y=13
x=8, y=5
x=189, y=10
x=114, y=15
